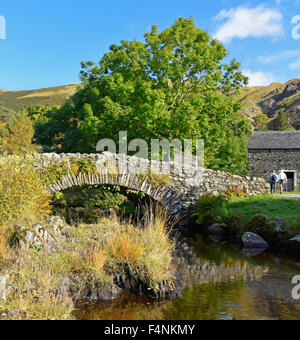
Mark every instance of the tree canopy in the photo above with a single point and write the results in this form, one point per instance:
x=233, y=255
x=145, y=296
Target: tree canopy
x=281, y=123
x=261, y=122
x=174, y=84
x=16, y=136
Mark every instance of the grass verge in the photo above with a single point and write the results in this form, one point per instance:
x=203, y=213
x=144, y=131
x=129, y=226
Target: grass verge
x=269, y=206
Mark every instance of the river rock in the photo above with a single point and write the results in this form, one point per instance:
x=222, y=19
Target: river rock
x=256, y=224
x=216, y=229
x=276, y=231
x=296, y=239
x=254, y=241
x=40, y=237
x=216, y=238
x=293, y=246
x=106, y=293
x=94, y=292
x=252, y=252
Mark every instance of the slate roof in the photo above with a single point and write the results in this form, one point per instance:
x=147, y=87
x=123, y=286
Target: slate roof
x=275, y=140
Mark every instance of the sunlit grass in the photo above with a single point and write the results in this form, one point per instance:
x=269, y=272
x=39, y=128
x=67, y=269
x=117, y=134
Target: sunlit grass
x=269, y=206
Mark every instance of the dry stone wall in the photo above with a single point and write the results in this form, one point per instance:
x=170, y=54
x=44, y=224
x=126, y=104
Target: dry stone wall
x=262, y=163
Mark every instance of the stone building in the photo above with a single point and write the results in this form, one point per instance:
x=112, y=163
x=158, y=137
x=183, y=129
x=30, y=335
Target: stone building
x=276, y=150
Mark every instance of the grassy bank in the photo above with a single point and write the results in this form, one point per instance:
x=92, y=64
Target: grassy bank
x=269, y=206
x=236, y=214
x=42, y=284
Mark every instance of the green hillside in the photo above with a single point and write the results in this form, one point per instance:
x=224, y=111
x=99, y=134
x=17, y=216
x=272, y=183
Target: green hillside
x=14, y=101
x=270, y=99
x=256, y=100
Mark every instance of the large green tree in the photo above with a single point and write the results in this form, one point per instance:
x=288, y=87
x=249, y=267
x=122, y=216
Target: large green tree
x=175, y=84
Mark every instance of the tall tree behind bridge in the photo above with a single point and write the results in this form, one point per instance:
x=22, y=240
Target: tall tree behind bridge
x=175, y=84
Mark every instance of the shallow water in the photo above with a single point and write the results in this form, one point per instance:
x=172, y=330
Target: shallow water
x=222, y=284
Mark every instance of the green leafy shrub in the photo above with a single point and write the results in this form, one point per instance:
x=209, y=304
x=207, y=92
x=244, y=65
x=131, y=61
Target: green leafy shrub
x=222, y=214
x=56, y=171
x=91, y=197
x=23, y=195
x=210, y=205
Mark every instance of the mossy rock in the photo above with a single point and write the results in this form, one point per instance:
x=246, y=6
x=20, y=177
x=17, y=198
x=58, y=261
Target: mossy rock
x=36, y=237
x=256, y=224
x=235, y=226
x=275, y=231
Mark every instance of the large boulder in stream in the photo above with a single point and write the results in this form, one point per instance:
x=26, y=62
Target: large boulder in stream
x=254, y=241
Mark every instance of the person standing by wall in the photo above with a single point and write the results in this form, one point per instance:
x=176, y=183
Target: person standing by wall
x=273, y=182
x=282, y=181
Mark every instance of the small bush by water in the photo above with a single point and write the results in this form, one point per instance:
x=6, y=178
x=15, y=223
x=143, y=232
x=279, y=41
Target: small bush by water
x=214, y=209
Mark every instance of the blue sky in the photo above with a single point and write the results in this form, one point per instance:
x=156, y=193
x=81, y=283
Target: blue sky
x=46, y=40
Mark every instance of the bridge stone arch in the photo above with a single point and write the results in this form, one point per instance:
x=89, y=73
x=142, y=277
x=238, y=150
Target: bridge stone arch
x=177, y=187
x=163, y=195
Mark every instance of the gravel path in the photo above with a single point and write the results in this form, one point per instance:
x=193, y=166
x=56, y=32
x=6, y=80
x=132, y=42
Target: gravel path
x=295, y=196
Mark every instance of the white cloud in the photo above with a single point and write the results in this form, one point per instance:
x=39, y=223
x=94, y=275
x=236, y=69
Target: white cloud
x=244, y=22
x=279, y=56
x=259, y=78
x=295, y=65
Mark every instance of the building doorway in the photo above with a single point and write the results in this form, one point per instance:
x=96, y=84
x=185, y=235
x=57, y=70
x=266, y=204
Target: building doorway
x=291, y=176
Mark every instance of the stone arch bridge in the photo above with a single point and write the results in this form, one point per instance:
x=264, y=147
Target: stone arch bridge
x=177, y=189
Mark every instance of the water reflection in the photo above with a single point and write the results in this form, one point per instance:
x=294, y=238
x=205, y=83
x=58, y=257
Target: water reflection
x=204, y=263
x=222, y=284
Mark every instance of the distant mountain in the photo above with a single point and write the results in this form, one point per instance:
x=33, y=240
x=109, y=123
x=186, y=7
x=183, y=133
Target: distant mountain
x=270, y=99
x=256, y=100
x=14, y=101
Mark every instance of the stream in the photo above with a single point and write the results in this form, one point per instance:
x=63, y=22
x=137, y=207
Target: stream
x=222, y=284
